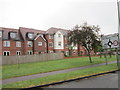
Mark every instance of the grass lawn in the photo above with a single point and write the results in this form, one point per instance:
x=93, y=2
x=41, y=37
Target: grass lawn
x=62, y=77
x=9, y=71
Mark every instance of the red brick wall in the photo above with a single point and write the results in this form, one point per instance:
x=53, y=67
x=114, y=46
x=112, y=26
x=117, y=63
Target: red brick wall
x=50, y=40
x=65, y=42
x=42, y=48
x=12, y=47
x=0, y=47
x=26, y=48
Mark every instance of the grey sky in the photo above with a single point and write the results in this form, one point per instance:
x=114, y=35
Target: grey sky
x=43, y=14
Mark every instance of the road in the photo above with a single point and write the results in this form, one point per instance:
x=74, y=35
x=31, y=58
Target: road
x=102, y=81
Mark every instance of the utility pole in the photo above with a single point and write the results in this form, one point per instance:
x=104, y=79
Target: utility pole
x=118, y=6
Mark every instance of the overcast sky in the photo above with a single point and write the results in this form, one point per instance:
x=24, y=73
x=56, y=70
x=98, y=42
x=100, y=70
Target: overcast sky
x=43, y=14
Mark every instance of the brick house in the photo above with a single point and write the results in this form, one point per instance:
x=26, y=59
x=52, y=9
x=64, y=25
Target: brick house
x=22, y=41
x=28, y=41
x=40, y=45
x=59, y=40
x=56, y=38
x=34, y=42
x=60, y=43
x=11, y=42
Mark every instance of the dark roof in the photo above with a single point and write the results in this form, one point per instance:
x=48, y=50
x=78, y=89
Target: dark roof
x=6, y=32
x=53, y=30
x=24, y=31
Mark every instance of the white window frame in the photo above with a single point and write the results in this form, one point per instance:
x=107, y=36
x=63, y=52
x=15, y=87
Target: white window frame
x=29, y=51
x=18, y=44
x=30, y=35
x=30, y=45
x=59, y=43
x=51, y=51
x=6, y=53
x=67, y=52
x=40, y=43
x=50, y=36
x=12, y=34
x=6, y=43
x=59, y=35
x=49, y=44
x=18, y=52
x=1, y=34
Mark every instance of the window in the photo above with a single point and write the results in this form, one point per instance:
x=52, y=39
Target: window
x=0, y=34
x=59, y=43
x=39, y=43
x=18, y=53
x=67, y=52
x=51, y=51
x=59, y=35
x=39, y=52
x=59, y=51
x=50, y=36
x=30, y=43
x=18, y=44
x=66, y=45
x=6, y=44
x=30, y=35
x=6, y=53
x=30, y=52
x=74, y=51
x=13, y=34
x=50, y=44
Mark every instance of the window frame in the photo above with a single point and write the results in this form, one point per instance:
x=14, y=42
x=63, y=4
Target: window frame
x=18, y=44
x=40, y=44
x=60, y=44
x=1, y=34
x=59, y=35
x=50, y=36
x=30, y=35
x=19, y=53
x=6, y=53
x=30, y=51
x=13, y=34
x=6, y=44
x=51, y=51
x=51, y=43
x=28, y=44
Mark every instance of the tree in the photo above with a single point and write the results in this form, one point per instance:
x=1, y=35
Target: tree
x=90, y=37
x=85, y=35
x=74, y=37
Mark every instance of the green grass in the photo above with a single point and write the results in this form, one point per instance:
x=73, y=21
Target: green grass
x=10, y=71
x=62, y=77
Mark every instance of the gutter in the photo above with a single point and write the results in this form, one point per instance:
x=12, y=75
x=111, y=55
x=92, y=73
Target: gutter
x=41, y=86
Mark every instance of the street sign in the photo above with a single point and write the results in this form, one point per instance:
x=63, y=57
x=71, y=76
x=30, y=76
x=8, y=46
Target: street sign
x=110, y=41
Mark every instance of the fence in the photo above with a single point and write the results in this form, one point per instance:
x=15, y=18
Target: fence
x=31, y=58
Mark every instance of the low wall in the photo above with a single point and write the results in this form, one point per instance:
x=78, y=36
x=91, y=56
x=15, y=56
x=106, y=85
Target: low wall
x=31, y=58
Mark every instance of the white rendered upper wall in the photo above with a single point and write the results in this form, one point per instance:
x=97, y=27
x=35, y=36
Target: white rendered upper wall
x=58, y=39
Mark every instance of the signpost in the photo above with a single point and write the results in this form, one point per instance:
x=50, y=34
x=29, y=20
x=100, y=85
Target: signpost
x=110, y=41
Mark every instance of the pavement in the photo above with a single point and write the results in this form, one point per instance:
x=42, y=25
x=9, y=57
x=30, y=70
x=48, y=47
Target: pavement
x=22, y=78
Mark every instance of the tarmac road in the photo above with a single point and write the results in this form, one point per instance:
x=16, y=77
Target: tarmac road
x=101, y=81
